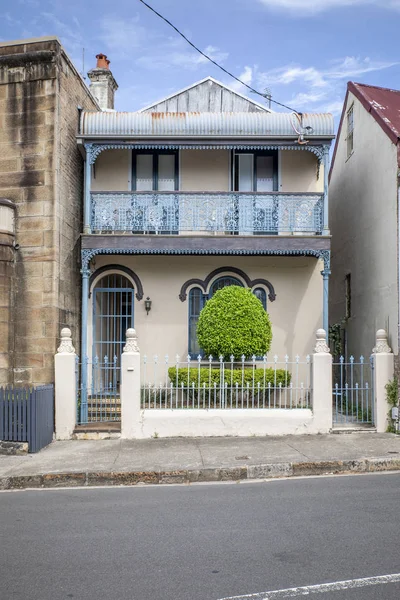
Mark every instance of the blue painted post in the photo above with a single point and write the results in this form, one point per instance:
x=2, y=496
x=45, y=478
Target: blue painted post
x=325, y=312
x=326, y=198
x=326, y=257
x=86, y=200
x=84, y=350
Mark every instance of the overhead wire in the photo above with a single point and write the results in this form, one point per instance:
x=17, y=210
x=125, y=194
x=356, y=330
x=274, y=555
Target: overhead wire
x=217, y=64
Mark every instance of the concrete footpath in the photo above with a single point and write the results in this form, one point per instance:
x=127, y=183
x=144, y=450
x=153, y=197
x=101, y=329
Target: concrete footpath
x=183, y=460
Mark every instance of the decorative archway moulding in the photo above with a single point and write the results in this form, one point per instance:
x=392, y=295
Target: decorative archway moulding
x=123, y=269
x=204, y=284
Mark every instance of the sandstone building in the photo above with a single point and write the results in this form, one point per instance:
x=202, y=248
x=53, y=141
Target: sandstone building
x=41, y=182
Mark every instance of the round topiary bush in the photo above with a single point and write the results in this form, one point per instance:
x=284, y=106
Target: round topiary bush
x=234, y=322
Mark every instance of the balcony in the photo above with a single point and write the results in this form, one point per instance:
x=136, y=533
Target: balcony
x=207, y=213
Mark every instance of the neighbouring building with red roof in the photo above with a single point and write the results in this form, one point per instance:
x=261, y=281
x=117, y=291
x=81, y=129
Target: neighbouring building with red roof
x=364, y=218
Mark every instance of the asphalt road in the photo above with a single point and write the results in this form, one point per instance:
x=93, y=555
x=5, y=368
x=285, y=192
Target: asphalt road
x=203, y=542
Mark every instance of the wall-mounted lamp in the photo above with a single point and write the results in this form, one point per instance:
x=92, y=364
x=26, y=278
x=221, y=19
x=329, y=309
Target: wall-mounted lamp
x=147, y=305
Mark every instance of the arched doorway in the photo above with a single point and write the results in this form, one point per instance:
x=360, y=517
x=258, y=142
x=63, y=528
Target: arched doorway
x=113, y=312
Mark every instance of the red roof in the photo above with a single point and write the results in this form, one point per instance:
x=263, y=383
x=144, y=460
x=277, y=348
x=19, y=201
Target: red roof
x=382, y=103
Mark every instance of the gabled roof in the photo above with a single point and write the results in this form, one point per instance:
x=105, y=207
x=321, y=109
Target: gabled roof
x=383, y=104
x=257, y=106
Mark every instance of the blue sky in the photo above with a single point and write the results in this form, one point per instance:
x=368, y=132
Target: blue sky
x=304, y=51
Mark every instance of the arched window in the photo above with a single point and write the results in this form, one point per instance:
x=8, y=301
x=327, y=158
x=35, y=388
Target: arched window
x=222, y=282
x=261, y=294
x=197, y=300
x=196, y=303
x=113, y=304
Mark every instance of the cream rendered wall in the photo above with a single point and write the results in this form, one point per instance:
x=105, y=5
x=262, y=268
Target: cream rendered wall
x=112, y=171
x=363, y=222
x=295, y=314
x=299, y=172
x=204, y=170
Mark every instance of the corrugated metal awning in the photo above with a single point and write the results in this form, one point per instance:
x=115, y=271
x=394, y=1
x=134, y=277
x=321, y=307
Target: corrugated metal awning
x=246, y=125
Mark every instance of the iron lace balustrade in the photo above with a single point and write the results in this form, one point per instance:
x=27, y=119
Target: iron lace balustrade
x=240, y=213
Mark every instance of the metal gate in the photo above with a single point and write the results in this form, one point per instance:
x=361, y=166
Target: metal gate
x=98, y=391
x=353, y=392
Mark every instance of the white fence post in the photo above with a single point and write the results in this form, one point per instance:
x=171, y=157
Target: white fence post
x=322, y=383
x=384, y=372
x=65, y=387
x=130, y=387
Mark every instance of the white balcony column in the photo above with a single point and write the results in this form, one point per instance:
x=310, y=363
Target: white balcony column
x=325, y=230
x=384, y=372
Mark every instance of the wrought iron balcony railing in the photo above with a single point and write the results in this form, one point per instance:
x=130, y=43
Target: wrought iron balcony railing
x=207, y=212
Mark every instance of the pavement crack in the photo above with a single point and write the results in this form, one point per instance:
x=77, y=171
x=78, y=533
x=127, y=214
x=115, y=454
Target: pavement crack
x=297, y=450
x=201, y=456
x=118, y=453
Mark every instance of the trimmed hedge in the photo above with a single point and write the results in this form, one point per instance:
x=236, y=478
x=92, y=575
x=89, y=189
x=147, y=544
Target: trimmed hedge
x=234, y=322
x=231, y=377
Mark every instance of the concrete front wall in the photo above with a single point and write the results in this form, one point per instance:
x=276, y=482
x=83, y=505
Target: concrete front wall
x=299, y=172
x=210, y=171
x=41, y=171
x=112, y=171
x=239, y=423
x=295, y=314
x=205, y=171
x=363, y=222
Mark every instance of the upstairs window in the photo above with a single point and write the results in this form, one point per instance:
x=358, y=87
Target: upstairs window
x=155, y=171
x=256, y=172
x=350, y=131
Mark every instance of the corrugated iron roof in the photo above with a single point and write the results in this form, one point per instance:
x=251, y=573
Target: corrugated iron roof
x=239, y=124
x=383, y=104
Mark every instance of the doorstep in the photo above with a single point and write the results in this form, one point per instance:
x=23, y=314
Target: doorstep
x=101, y=430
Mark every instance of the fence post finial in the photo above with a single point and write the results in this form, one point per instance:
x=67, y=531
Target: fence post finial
x=131, y=341
x=321, y=347
x=66, y=346
x=381, y=344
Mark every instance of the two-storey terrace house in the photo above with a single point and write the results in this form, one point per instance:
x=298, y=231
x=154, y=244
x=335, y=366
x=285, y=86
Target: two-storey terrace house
x=202, y=189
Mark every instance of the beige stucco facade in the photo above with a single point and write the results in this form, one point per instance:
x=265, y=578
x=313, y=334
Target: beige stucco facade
x=363, y=209
x=299, y=172
x=295, y=314
x=112, y=171
x=210, y=171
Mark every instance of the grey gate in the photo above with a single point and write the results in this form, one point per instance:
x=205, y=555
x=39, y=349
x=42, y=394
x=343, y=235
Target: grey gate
x=353, y=392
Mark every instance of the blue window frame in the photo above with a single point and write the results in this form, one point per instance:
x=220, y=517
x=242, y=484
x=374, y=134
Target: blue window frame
x=197, y=300
x=261, y=294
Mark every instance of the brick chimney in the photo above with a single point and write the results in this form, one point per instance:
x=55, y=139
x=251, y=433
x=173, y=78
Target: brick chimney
x=102, y=83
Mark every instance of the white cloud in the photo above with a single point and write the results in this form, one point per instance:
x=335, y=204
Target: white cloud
x=246, y=76
x=173, y=52
x=150, y=49
x=214, y=53
x=307, y=7
x=122, y=36
x=317, y=89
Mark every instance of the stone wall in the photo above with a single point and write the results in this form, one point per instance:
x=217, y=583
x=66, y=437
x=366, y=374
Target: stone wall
x=41, y=171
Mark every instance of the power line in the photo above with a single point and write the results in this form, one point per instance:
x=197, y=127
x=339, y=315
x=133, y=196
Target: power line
x=217, y=64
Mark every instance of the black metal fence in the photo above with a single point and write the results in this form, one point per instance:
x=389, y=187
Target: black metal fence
x=27, y=415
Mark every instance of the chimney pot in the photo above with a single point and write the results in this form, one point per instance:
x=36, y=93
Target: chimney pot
x=102, y=62
x=102, y=83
